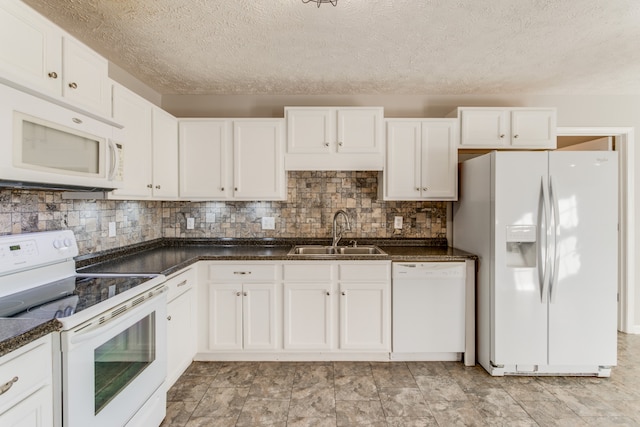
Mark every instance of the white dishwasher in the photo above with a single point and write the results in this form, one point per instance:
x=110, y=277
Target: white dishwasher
x=428, y=310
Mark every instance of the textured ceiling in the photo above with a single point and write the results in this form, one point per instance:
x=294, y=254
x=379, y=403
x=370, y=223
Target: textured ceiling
x=364, y=46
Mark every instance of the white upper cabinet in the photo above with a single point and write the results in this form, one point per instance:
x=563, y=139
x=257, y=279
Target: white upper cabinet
x=42, y=58
x=165, y=154
x=526, y=128
x=149, y=142
x=422, y=160
x=232, y=159
x=331, y=138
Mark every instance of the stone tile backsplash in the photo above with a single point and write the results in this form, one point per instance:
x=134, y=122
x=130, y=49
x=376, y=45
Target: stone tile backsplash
x=313, y=198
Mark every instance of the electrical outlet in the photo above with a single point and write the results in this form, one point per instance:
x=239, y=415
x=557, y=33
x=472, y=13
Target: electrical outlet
x=397, y=223
x=112, y=229
x=191, y=223
x=268, y=223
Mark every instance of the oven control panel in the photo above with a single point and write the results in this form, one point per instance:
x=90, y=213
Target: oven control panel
x=21, y=251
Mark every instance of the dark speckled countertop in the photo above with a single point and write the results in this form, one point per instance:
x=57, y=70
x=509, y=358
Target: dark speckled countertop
x=168, y=256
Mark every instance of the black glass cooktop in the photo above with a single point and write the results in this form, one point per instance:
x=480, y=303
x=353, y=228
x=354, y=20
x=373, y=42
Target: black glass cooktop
x=65, y=297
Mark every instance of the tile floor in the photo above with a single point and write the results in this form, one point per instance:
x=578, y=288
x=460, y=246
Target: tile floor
x=400, y=394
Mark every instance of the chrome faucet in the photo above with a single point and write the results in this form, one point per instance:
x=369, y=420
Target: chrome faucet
x=338, y=235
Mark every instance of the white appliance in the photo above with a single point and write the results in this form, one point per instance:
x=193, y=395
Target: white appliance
x=428, y=310
x=545, y=228
x=46, y=145
x=113, y=337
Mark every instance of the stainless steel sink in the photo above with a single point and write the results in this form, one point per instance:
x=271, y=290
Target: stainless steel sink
x=318, y=250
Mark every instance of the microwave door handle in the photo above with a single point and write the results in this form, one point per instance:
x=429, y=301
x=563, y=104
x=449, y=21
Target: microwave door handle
x=114, y=162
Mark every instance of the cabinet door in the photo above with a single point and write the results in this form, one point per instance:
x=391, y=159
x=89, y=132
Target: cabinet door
x=35, y=410
x=180, y=334
x=165, y=155
x=134, y=113
x=258, y=160
x=533, y=128
x=360, y=130
x=402, y=169
x=259, y=316
x=439, y=160
x=31, y=48
x=308, y=314
x=310, y=130
x=484, y=127
x=204, y=159
x=85, y=76
x=365, y=316
x=225, y=311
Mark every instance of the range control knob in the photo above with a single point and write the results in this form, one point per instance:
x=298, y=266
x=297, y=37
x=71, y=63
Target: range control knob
x=57, y=243
x=67, y=243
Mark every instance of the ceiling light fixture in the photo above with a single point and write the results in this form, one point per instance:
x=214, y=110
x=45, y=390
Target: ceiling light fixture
x=333, y=2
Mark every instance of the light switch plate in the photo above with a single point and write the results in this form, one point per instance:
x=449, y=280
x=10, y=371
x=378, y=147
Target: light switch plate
x=191, y=223
x=112, y=229
x=268, y=223
x=397, y=223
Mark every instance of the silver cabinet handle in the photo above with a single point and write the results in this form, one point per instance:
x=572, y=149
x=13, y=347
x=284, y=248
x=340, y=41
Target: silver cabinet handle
x=340, y=144
x=343, y=293
x=53, y=75
x=328, y=293
x=515, y=136
x=184, y=282
x=6, y=386
x=169, y=318
x=245, y=293
x=425, y=189
x=149, y=185
x=158, y=187
x=502, y=135
x=242, y=272
x=417, y=188
x=73, y=85
x=76, y=120
x=238, y=294
x=326, y=144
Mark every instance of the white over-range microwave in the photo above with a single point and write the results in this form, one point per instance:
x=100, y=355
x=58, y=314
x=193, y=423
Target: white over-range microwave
x=48, y=146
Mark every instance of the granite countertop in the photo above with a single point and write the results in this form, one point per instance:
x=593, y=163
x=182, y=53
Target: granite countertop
x=167, y=256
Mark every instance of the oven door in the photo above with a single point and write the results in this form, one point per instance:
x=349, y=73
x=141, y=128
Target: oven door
x=111, y=370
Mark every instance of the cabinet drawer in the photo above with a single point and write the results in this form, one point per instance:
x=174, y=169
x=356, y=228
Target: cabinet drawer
x=364, y=272
x=31, y=365
x=180, y=283
x=242, y=272
x=308, y=272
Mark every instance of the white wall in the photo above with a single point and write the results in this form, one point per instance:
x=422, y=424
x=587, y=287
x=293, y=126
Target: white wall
x=573, y=111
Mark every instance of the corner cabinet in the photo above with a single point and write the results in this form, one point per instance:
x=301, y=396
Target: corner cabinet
x=508, y=128
x=232, y=159
x=43, y=58
x=150, y=145
x=421, y=161
x=181, y=323
x=26, y=375
x=334, y=138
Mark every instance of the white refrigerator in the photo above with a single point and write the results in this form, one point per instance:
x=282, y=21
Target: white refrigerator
x=545, y=227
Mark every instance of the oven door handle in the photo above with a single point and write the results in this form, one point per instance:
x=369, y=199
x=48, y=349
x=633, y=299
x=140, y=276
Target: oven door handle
x=96, y=328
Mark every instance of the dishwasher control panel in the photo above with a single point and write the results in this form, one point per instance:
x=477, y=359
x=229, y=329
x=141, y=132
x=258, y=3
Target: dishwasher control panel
x=428, y=270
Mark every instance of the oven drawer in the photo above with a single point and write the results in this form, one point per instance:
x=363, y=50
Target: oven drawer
x=24, y=371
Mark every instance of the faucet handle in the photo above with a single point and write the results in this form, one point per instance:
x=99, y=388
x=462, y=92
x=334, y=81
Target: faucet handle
x=353, y=243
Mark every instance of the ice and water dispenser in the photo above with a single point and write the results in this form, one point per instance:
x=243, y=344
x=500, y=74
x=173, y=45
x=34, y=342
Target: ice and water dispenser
x=521, y=245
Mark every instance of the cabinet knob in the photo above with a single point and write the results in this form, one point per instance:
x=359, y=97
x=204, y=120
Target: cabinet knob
x=425, y=189
x=238, y=294
x=326, y=144
x=158, y=187
x=417, y=188
x=6, y=386
x=328, y=293
x=73, y=85
x=53, y=75
x=221, y=188
x=149, y=186
x=502, y=135
x=340, y=143
x=245, y=293
x=343, y=293
x=169, y=318
x=76, y=120
x=235, y=189
x=515, y=136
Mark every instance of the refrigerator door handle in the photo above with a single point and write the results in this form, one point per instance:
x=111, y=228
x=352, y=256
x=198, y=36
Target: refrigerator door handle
x=553, y=284
x=543, y=250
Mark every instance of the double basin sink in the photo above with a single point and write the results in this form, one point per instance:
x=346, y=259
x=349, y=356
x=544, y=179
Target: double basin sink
x=320, y=251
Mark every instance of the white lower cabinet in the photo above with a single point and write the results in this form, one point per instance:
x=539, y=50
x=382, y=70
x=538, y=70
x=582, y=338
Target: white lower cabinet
x=319, y=310
x=26, y=378
x=242, y=309
x=181, y=323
